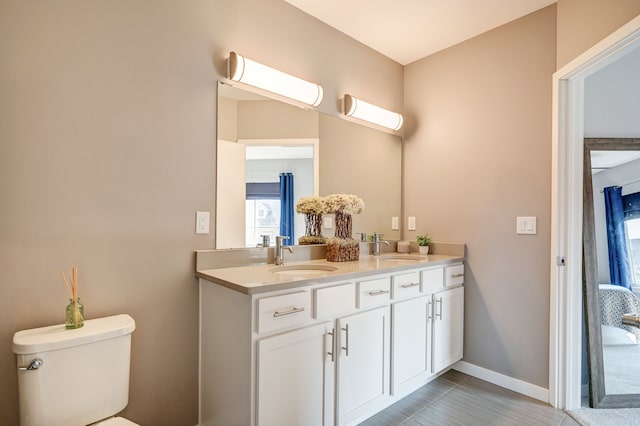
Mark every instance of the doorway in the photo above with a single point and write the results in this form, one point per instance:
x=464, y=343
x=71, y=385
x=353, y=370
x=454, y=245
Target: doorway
x=567, y=210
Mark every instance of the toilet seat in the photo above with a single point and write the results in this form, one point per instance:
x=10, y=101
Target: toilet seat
x=115, y=421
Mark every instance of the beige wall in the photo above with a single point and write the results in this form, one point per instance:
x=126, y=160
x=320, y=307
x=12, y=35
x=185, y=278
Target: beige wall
x=583, y=23
x=107, y=149
x=107, y=130
x=478, y=155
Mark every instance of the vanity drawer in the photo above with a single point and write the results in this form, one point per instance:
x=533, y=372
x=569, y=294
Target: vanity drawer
x=330, y=301
x=406, y=285
x=282, y=311
x=374, y=292
x=432, y=279
x=454, y=275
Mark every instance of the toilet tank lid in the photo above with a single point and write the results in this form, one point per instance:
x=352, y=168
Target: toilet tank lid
x=56, y=337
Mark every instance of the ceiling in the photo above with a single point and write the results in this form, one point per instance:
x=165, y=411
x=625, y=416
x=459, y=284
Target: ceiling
x=604, y=160
x=408, y=30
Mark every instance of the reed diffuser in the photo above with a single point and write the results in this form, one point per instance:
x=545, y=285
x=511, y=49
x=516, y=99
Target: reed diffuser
x=75, y=310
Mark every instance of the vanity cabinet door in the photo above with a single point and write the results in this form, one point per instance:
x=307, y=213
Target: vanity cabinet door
x=295, y=377
x=448, y=327
x=411, y=343
x=363, y=364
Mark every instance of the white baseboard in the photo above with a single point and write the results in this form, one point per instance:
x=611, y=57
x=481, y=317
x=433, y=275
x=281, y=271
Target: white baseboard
x=516, y=385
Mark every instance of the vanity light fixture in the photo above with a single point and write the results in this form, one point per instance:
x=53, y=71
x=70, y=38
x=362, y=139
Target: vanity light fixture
x=263, y=77
x=362, y=110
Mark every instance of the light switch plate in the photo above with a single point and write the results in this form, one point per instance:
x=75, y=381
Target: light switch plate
x=411, y=223
x=394, y=223
x=526, y=225
x=202, y=222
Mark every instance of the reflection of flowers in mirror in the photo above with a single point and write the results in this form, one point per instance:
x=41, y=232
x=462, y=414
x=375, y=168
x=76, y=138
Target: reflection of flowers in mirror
x=345, y=203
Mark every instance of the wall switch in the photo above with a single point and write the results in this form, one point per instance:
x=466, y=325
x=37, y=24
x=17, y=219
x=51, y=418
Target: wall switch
x=394, y=223
x=202, y=222
x=327, y=222
x=526, y=225
x=411, y=223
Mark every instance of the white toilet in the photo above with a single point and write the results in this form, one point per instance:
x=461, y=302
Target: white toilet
x=75, y=377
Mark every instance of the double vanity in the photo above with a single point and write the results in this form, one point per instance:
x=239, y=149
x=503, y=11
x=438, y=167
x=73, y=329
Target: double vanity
x=313, y=342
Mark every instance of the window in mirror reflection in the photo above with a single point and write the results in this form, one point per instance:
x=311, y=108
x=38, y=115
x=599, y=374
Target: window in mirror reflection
x=262, y=211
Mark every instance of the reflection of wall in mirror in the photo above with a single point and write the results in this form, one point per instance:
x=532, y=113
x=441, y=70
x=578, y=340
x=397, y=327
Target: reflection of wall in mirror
x=365, y=162
x=616, y=176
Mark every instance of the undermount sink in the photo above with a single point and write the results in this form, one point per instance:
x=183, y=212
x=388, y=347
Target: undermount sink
x=302, y=269
x=403, y=258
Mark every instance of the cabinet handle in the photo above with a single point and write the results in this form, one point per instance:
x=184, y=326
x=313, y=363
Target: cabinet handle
x=410, y=285
x=457, y=275
x=346, y=347
x=289, y=312
x=333, y=343
x=378, y=292
x=439, y=314
x=430, y=310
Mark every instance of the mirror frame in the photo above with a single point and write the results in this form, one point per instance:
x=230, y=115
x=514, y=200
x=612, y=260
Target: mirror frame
x=597, y=393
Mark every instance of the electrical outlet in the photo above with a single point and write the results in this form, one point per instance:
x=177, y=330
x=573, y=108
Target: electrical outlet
x=202, y=222
x=411, y=223
x=327, y=222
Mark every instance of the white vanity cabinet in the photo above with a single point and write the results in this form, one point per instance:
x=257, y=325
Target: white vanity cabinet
x=296, y=371
x=295, y=377
x=428, y=330
x=362, y=365
x=321, y=354
x=448, y=327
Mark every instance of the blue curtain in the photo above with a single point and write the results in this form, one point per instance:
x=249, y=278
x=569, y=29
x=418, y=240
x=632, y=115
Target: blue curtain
x=619, y=266
x=286, y=207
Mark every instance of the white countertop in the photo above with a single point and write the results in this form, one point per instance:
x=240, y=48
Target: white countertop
x=260, y=278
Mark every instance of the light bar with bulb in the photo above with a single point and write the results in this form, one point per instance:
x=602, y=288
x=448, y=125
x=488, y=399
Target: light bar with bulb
x=362, y=110
x=263, y=77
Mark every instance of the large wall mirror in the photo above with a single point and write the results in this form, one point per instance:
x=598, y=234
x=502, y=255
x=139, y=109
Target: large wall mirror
x=611, y=279
x=259, y=138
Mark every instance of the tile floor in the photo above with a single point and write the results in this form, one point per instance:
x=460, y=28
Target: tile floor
x=459, y=399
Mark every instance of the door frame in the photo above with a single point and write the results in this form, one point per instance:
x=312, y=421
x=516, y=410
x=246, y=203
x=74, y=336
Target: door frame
x=565, y=334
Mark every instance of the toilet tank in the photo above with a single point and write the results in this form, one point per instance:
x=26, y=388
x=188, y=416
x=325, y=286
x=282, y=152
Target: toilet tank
x=82, y=376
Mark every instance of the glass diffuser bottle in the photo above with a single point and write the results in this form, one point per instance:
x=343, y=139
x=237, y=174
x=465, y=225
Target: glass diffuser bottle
x=75, y=314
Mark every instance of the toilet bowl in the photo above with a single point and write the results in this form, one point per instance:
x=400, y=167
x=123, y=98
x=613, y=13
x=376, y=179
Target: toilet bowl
x=74, y=377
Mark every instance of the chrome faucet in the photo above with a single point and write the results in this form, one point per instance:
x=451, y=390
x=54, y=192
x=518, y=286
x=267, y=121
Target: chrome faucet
x=265, y=241
x=279, y=240
x=376, y=244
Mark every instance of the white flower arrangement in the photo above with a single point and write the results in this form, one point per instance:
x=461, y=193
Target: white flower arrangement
x=311, y=205
x=343, y=203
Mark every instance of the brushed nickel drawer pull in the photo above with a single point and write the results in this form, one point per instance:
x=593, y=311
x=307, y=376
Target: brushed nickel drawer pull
x=410, y=285
x=346, y=340
x=333, y=343
x=457, y=275
x=378, y=292
x=289, y=312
